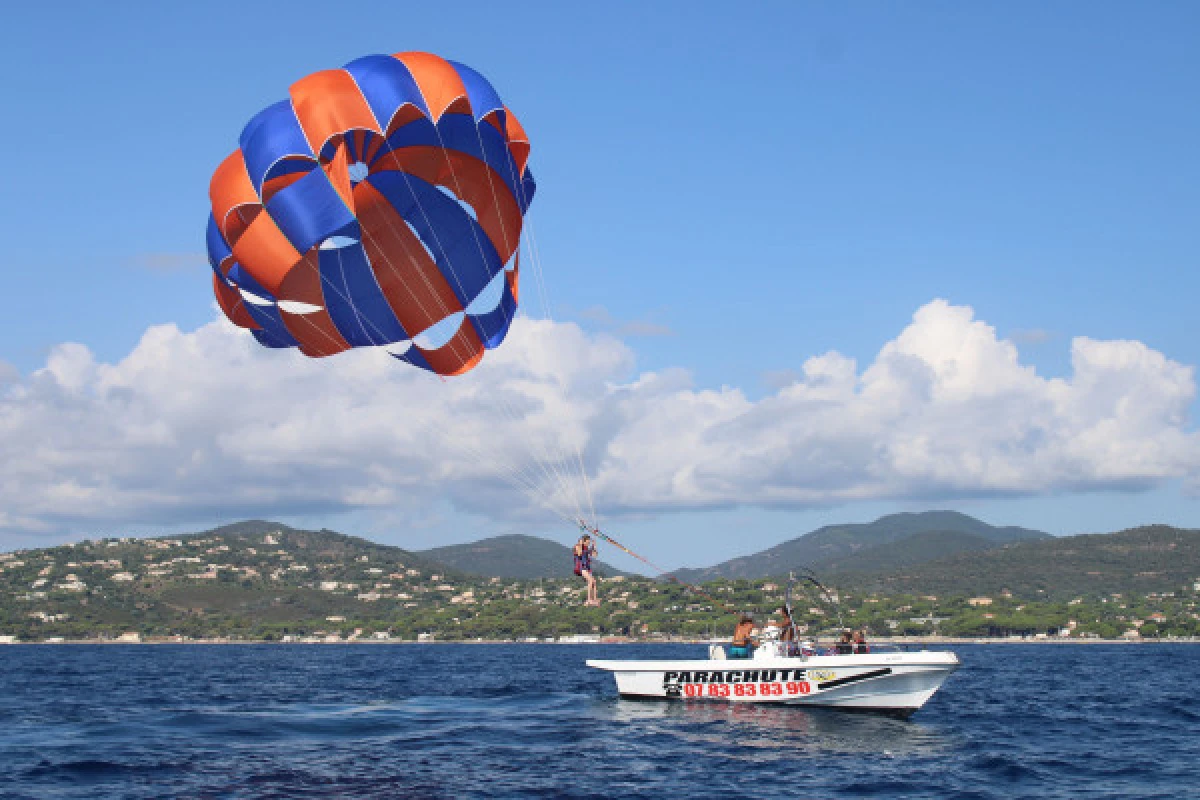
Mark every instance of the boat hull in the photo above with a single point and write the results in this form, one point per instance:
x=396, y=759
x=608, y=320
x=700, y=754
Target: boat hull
x=893, y=683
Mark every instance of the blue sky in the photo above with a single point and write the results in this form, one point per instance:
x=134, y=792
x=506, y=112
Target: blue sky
x=730, y=190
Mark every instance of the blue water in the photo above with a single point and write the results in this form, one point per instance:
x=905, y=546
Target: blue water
x=364, y=721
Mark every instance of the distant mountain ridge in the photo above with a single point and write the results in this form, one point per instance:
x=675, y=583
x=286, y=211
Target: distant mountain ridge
x=1137, y=560
x=512, y=556
x=892, y=540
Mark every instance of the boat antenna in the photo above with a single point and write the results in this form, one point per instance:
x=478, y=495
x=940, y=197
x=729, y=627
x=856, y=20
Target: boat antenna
x=787, y=605
x=808, y=576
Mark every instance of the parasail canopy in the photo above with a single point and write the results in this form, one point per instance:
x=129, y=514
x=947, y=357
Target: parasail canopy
x=381, y=204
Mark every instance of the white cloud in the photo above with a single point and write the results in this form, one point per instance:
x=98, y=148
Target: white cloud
x=207, y=425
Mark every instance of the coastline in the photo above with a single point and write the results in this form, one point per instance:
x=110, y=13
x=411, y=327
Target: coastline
x=893, y=641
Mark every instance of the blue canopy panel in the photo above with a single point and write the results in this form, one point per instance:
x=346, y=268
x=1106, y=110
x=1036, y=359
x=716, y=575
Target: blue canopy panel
x=387, y=85
x=492, y=325
x=262, y=309
x=356, y=142
x=460, y=247
x=489, y=145
x=274, y=134
x=269, y=339
x=310, y=211
x=460, y=132
x=528, y=188
x=353, y=298
x=218, y=248
x=480, y=93
x=415, y=357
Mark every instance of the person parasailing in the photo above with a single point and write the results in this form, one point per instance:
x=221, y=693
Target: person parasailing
x=585, y=550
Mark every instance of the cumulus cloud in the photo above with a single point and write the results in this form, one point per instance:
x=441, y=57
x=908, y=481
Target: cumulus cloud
x=208, y=425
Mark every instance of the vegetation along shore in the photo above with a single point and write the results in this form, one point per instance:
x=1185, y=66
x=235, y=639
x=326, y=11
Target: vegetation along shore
x=261, y=581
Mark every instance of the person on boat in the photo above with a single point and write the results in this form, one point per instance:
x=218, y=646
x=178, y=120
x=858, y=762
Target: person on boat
x=846, y=645
x=743, y=645
x=585, y=550
x=860, y=642
x=787, y=631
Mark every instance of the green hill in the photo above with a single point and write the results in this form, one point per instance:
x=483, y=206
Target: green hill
x=1154, y=558
x=250, y=576
x=325, y=544
x=909, y=551
x=512, y=556
x=936, y=532
x=262, y=580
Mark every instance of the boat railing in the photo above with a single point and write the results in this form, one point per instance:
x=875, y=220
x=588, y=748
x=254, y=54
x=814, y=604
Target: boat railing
x=772, y=647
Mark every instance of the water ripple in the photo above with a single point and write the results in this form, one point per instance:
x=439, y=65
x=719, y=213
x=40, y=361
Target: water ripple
x=531, y=721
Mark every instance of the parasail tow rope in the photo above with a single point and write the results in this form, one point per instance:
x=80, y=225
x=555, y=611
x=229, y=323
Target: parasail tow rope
x=592, y=529
x=583, y=526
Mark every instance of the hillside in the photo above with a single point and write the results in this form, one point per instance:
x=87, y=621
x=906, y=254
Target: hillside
x=325, y=544
x=264, y=581
x=1153, y=558
x=253, y=574
x=512, y=556
x=835, y=544
x=919, y=548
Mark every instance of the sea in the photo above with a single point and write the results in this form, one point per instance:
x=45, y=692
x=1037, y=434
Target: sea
x=530, y=720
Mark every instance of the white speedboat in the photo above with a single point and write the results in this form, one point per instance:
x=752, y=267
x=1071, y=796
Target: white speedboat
x=893, y=682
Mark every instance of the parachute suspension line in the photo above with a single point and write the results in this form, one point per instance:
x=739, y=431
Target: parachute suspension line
x=587, y=487
x=348, y=300
x=508, y=244
x=553, y=459
x=556, y=477
x=492, y=188
x=455, y=341
x=337, y=345
x=539, y=278
x=535, y=258
x=526, y=482
x=515, y=475
x=560, y=457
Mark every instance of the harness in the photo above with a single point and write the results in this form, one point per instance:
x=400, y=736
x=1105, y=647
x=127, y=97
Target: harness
x=583, y=562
